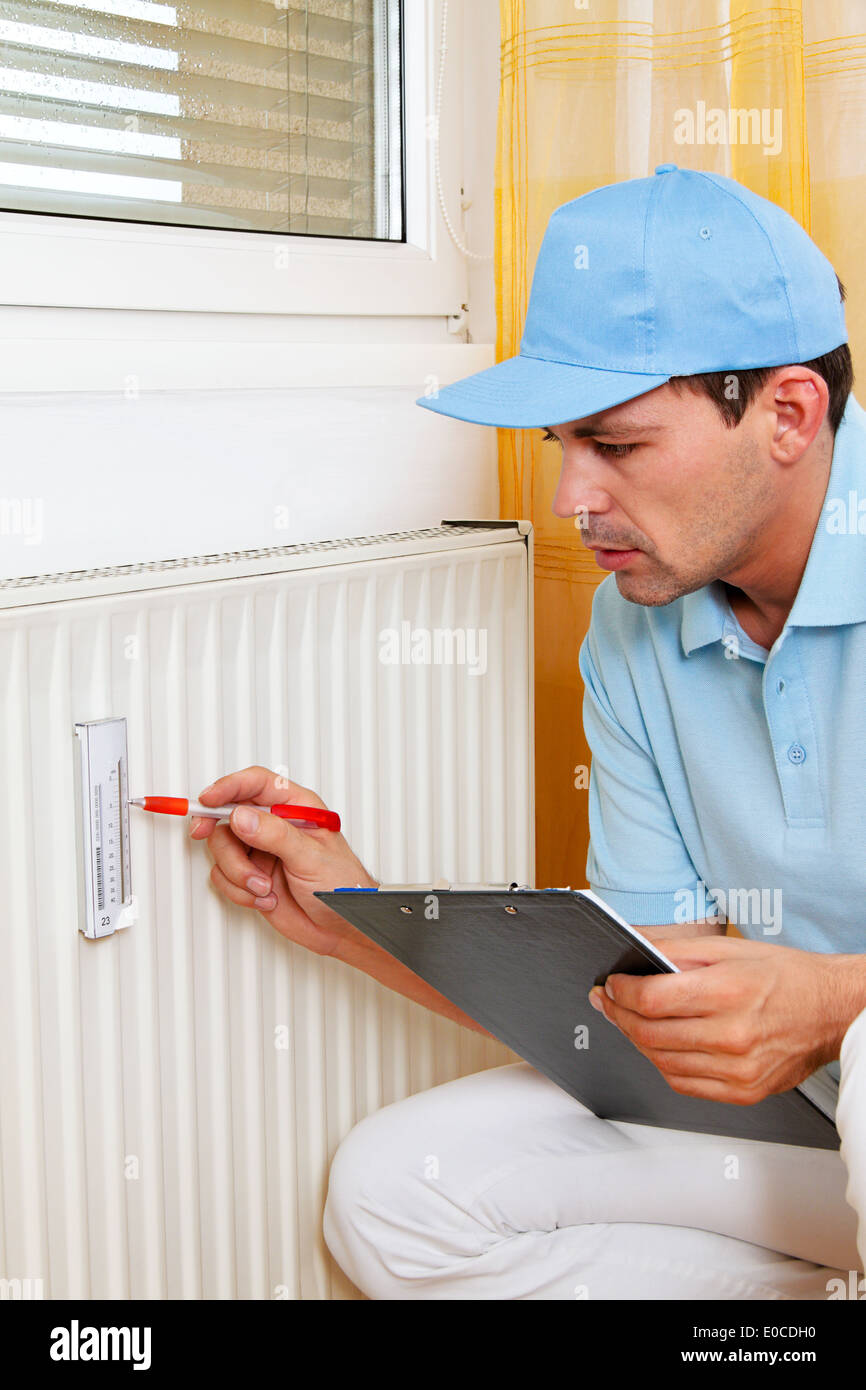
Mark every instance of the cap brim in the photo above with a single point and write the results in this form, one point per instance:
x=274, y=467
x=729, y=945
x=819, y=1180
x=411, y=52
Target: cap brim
x=531, y=392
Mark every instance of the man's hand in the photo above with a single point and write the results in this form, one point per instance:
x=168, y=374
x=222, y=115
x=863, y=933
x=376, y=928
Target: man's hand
x=277, y=867
x=743, y=1020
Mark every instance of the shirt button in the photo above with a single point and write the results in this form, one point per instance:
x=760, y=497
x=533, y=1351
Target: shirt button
x=796, y=753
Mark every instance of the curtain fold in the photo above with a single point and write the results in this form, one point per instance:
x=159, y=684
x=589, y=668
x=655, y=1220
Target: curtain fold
x=595, y=92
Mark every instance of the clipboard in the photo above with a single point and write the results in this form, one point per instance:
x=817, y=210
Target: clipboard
x=521, y=962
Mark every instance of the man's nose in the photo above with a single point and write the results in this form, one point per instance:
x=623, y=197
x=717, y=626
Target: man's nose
x=578, y=493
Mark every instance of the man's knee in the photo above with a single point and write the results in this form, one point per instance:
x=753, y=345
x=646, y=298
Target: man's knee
x=367, y=1220
x=350, y=1187
x=391, y=1221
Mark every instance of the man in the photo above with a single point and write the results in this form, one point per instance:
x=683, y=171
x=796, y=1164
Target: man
x=685, y=343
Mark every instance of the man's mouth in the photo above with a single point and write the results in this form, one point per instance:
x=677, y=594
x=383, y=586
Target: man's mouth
x=614, y=558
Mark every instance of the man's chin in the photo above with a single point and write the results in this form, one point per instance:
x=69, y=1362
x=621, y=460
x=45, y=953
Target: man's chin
x=649, y=593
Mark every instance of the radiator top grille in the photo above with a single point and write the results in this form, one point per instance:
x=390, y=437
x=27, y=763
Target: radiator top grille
x=446, y=531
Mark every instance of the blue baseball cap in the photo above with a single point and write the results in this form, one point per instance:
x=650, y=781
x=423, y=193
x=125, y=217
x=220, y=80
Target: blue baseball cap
x=639, y=281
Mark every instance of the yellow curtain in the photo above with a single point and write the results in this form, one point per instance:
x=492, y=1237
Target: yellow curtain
x=594, y=91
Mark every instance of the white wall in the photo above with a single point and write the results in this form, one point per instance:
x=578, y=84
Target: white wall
x=191, y=438
x=107, y=480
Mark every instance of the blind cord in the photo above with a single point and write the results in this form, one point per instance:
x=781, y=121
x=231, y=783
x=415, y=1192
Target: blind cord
x=443, y=49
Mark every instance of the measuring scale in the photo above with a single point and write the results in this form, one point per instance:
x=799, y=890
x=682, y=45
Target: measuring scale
x=102, y=819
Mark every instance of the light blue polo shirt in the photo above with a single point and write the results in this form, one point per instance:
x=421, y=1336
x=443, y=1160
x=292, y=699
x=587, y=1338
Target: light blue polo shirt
x=725, y=775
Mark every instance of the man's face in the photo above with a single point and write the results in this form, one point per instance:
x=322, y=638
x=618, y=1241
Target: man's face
x=666, y=494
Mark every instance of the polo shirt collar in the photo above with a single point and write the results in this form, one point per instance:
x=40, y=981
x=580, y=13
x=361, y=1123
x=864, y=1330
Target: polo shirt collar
x=832, y=591
x=704, y=615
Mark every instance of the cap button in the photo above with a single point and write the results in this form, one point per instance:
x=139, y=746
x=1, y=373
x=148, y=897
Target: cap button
x=666, y=168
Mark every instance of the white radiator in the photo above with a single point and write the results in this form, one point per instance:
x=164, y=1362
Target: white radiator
x=171, y=1095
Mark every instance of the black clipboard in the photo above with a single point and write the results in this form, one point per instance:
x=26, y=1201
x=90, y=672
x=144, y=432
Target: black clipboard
x=521, y=963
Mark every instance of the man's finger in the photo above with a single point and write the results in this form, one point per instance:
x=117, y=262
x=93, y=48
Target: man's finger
x=715, y=1066
x=715, y=1034
x=236, y=863
x=202, y=827
x=260, y=785
x=300, y=850
x=706, y=1088
x=263, y=862
x=671, y=1034
x=266, y=903
x=689, y=994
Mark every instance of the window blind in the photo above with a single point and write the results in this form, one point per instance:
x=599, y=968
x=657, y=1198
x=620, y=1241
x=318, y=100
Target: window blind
x=251, y=114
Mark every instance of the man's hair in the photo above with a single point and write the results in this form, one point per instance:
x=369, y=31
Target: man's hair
x=835, y=367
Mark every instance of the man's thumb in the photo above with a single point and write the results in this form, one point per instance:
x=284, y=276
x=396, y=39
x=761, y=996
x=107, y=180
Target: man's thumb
x=256, y=826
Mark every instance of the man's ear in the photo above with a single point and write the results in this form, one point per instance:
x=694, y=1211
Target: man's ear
x=796, y=400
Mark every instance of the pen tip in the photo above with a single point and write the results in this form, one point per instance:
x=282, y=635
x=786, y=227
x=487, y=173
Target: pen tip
x=136, y=801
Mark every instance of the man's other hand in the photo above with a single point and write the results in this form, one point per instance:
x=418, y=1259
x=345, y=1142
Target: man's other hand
x=743, y=1020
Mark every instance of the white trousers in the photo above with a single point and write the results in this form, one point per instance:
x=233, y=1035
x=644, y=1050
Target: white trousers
x=501, y=1186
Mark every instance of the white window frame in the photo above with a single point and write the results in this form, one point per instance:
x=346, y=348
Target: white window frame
x=83, y=263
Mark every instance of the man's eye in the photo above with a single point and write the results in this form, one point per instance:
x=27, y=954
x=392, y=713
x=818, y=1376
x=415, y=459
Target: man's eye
x=616, y=451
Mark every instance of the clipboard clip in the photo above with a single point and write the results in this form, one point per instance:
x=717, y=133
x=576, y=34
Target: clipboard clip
x=441, y=885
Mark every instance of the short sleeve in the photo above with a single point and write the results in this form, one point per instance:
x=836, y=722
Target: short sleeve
x=637, y=861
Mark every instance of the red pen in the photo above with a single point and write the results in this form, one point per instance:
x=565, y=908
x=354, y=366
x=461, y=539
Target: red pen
x=310, y=817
